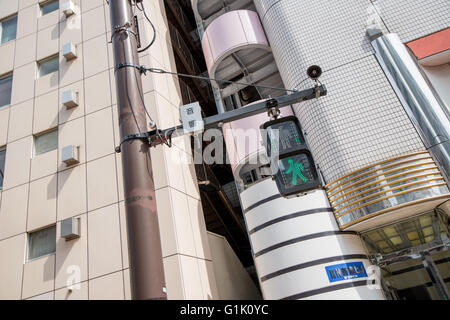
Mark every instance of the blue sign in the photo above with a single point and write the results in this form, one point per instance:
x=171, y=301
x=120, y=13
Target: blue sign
x=346, y=271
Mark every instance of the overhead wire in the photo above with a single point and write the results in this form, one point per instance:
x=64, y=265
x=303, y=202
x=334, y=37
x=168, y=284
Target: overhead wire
x=162, y=71
x=167, y=138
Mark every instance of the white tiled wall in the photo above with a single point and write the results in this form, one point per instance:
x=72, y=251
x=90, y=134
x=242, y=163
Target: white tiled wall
x=361, y=121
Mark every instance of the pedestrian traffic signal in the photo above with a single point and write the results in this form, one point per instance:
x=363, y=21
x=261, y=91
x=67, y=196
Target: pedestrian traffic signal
x=292, y=164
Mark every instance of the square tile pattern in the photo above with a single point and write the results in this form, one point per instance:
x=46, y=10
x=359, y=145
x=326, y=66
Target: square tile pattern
x=361, y=121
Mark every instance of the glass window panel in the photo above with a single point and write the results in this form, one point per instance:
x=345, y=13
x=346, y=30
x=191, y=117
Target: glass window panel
x=48, y=66
x=9, y=29
x=413, y=235
x=396, y=240
x=425, y=221
x=2, y=166
x=46, y=142
x=42, y=242
x=428, y=231
x=5, y=90
x=382, y=244
x=390, y=231
x=375, y=236
x=49, y=6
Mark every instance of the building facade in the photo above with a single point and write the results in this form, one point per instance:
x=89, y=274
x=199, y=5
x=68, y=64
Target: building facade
x=380, y=139
x=57, y=90
x=378, y=228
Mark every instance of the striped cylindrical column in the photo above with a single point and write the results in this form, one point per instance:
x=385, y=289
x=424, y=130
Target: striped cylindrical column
x=296, y=241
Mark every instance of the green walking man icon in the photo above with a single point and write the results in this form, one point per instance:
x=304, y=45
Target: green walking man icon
x=297, y=170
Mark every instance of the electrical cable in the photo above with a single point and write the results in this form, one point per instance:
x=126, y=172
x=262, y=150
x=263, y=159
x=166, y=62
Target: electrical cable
x=151, y=24
x=166, y=140
x=161, y=71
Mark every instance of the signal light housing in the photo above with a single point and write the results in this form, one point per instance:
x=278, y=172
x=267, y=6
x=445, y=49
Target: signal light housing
x=291, y=161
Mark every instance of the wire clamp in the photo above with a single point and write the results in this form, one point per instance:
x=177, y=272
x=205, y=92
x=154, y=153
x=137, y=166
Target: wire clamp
x=142, y=69
x=141, y=136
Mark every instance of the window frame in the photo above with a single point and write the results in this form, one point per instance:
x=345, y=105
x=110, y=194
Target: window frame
x=45, y=60
x=46, y=3
x=39, y=135
x=2, y=149
x=3, y=77
x=14, y=16
x=28, y=259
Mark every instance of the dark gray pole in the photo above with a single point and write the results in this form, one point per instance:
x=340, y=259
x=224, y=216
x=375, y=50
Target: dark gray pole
x=144, y=243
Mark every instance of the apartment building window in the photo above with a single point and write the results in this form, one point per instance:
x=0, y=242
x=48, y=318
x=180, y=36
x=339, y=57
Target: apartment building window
x=5, y=89
x=49, y=6
x=8, y=29
x=42, y=242
x=45, y=142
x=2, y=166
x=48, y=65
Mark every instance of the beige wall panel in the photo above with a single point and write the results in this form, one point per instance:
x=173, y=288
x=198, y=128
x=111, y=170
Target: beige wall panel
x=98, y=92
x=174, y=282
x=25, y=50
x=72, y=192
x=4, y=120
x=44, y=164
x=109, y=287
x=49, y=20
x=75, y=112
x=27, y=21
x=38, y=276
x=42, y=203
x=23, y=83
x=17, y=166
x=80, y=293
x=72, y=133
x=104, y=247
x=233, y=281
x=46, y=111
x=71, y=71
x=93, y=23
x=72, y=257
x=47, y=83
x=20, y=120
x=95, y=56
x=101, y=182
x=8, y=7
x=7, y=56
x=12, y=253
x=47, y=42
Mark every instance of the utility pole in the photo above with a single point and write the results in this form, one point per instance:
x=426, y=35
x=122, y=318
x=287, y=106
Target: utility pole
x=144, y=242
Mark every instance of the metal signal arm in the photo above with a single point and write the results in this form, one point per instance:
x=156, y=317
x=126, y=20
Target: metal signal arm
x=157, y=137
